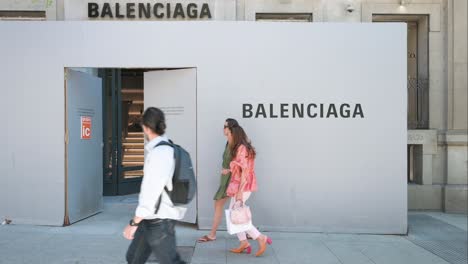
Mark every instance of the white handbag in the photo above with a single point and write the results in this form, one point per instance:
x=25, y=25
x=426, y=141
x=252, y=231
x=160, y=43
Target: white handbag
x=235, y=229
x=240, y=213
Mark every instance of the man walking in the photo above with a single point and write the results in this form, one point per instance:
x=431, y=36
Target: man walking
x=153, y=230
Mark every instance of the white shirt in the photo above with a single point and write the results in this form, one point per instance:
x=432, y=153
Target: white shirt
x=158, y=171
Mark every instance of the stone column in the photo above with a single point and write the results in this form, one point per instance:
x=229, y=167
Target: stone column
x=456, y=190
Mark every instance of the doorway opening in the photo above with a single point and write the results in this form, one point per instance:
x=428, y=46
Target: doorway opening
x=123, y=152
x=417, y=83
x=106, y=156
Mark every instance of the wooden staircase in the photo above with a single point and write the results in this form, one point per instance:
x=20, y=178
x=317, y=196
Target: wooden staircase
x=133, y=153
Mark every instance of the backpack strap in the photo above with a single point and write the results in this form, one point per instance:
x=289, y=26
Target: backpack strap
x=170, y=144
x=164, y=143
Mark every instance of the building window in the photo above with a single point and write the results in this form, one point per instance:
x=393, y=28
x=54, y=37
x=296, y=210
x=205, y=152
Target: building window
x=284, y=17
x=22, y=15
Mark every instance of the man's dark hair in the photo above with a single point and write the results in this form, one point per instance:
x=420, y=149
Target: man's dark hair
x=153, y=118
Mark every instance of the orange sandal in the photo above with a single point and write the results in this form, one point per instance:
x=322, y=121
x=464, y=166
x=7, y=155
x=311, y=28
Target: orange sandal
x=263, y=246
x=247, y=248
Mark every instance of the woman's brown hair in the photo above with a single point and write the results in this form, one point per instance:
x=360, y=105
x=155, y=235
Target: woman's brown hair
x=239, y=137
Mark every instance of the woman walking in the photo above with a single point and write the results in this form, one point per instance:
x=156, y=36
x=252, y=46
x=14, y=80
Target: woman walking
x=220, y=197
x=243, y=182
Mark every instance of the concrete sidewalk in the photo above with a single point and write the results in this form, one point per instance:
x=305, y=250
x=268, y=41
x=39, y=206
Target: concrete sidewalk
x=433, y=238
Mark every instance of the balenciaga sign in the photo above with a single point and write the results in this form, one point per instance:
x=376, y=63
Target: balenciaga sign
x=149, y=10
x=302, y=110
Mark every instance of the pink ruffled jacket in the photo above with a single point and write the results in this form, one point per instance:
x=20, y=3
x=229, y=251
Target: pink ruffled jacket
x=242, y=166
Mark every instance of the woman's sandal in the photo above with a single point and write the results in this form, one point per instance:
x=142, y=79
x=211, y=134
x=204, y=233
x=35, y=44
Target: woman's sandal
x=204, y=239
x=263, y=246
x=243, y=248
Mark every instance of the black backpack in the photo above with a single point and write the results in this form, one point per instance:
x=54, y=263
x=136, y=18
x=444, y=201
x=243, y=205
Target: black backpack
x=184, y=184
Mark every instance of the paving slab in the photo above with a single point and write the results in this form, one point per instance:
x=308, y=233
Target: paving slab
x=391, y=253
x=458, y=220
x=348, y=252
x=303, y=251
x=212, y=252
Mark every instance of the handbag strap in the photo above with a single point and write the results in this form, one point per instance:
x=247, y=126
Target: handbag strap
x=237, y=202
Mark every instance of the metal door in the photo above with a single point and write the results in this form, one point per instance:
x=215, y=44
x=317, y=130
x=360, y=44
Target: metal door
x=174, y=92
x=83, y=145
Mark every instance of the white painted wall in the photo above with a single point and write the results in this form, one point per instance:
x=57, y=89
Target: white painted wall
x=312, y=176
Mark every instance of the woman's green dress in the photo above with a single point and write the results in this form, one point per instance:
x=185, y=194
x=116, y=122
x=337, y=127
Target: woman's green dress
x=221, y=193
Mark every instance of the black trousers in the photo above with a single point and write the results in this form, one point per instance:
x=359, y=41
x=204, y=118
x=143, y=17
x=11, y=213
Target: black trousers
x=157, y=236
